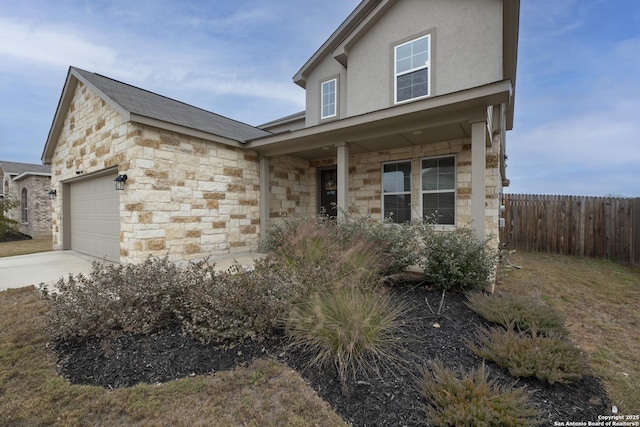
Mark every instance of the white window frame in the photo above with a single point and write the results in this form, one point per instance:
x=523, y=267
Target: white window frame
x=333, y=101
x=397, y=74
x=454, y=190
x=398, y=193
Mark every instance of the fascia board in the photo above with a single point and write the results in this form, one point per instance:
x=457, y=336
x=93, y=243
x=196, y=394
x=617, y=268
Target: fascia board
x=24, y=175
x=73, y=77
x=341, y=52
x=361, y=11
x=491, y=94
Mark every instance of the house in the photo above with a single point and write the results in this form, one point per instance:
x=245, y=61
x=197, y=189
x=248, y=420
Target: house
x=407, y=108
x=29, y=185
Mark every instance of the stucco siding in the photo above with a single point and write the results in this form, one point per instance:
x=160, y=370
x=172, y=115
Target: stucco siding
x=466, y=49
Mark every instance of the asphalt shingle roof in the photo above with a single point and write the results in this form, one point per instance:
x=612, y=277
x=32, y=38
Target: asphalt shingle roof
x=13, y=168
x=148, y=104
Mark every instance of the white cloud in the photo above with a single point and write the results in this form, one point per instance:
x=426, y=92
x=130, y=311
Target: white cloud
x=26, y=41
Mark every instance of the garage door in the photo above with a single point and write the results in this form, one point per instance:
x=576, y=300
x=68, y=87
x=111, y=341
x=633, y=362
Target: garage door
x=95, y=217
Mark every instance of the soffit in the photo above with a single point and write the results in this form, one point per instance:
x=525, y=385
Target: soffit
x=435, y=119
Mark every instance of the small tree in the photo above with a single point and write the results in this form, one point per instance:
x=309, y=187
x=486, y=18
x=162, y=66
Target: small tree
x=6, y=223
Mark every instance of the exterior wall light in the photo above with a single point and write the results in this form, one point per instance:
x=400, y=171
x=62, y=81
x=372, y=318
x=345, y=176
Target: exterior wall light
x=120, y=181
x=52, y=194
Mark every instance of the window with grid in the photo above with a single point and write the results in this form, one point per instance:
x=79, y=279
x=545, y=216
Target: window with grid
x=413, y=69
x=23, y=206
x=329, y=98
x=438, y=176
x=396, y=188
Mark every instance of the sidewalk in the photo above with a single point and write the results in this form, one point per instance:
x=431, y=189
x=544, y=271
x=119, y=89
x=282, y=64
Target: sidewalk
x=48, y=267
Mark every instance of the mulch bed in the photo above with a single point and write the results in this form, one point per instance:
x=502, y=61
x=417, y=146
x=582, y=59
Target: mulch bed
x=13, y=236
x=392, y=399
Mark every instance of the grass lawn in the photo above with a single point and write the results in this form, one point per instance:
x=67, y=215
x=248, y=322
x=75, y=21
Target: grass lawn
x=600, y=300
x=23, y=247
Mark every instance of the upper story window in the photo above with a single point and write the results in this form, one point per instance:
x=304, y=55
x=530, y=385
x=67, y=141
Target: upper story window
x=413, y=69
x=329, y=97
x=439, y=190
x=396, y=188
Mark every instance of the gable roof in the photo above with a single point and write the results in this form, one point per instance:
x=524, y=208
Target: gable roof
x=14, y=169
x=142, y=106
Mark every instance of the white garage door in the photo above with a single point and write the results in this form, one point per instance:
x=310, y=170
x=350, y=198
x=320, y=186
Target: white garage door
x=95, y=217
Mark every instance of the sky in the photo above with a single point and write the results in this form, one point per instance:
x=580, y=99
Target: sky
x=577, y=117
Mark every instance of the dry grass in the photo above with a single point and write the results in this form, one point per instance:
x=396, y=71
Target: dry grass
x=600, y=301
x=23, y=247
x=266, y=393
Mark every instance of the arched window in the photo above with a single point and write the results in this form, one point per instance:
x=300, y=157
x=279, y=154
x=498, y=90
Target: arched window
x=23, y=206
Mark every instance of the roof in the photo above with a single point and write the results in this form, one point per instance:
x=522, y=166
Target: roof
x=287, y=119
x=13, y=168
x=142, y=106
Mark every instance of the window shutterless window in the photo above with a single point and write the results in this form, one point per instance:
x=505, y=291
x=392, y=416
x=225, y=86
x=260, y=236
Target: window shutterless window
x=438, y=178
x=329, y=98
x=413, y=69
x=396, y=188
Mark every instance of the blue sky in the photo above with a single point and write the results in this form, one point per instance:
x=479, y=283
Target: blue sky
x=577, y=123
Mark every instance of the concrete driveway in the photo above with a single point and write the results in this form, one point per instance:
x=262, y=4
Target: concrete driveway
x=44, y=267
x=48, y=267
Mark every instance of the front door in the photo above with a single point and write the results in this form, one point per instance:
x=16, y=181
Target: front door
x=329, y=192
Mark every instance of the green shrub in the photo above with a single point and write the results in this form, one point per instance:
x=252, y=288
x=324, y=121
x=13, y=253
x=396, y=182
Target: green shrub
x=131, y=298
x=7, y=224
x=233, y=305
x=208, y=304
x=472, y=400
x=322, y=240
x=351, y=328
x=551, y=359
x=523, y=313
x=456, y=260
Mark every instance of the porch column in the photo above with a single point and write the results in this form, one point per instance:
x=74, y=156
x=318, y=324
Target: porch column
x=478, y=160
x=265, y=195
x=343, y=179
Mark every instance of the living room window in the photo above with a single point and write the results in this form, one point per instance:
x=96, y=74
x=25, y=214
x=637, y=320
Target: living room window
x=396, y=187
x=329, y=98
x=438, y=176
x=413, y=69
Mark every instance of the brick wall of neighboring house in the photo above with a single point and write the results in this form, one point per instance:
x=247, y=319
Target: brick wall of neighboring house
x=185, y=197
x=38, y=223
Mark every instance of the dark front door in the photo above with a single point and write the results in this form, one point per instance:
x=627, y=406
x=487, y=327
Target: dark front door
x=329, y=192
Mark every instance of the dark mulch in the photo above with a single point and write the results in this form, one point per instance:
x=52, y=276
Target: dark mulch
x=125, y=360
x=13, y=236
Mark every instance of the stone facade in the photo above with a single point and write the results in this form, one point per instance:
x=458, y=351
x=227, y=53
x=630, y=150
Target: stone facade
x=185, y=197
x=31, y=192
x=365, y=182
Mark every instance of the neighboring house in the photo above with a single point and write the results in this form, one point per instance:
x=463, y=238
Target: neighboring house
x=29, y=185
x=407, y=107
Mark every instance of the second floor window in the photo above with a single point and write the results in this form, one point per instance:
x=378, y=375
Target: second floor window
x=329, y=97
x=413, y=69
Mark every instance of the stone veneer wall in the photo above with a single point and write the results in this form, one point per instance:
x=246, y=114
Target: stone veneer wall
x=38, y=225
x=292, y=183
x=189, y=198
x=185, y=197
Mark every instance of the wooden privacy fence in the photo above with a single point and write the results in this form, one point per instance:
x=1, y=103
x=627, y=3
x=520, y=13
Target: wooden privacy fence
x=601, y=227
